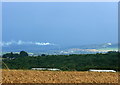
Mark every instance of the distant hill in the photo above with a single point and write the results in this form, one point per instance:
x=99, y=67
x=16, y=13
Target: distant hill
x=57, y=49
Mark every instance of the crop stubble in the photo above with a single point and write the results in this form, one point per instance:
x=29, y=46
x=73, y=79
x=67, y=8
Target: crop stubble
x=31, y=76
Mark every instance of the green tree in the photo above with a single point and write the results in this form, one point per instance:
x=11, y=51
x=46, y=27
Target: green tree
x=23, y=53
x=43, y=55
x=8, y=55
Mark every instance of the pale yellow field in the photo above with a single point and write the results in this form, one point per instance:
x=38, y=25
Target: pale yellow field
x=31, y=76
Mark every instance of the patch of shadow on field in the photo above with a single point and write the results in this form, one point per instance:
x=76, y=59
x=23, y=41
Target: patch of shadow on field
x=60, y=84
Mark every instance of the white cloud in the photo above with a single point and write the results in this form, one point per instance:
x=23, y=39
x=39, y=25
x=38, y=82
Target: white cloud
x=38, y=43
x=20, y=42
x=109, y=43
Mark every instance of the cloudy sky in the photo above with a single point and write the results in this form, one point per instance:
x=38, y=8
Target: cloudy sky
x=63, y=23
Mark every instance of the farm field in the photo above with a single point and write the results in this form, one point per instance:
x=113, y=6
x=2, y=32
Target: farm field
x=32, y=76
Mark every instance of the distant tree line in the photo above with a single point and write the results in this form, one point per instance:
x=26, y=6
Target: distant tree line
x=72, y=62
x=15, y=55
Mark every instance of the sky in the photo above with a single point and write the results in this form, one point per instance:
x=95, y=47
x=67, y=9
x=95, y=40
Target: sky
x=63, y=23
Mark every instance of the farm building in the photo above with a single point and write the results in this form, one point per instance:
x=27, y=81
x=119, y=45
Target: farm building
x=50, y=69
x=38, y=68
x=94, y=70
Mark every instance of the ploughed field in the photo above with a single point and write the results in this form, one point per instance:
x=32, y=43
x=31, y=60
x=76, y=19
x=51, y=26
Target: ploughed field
x=32, y=76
